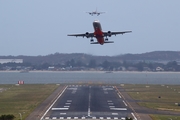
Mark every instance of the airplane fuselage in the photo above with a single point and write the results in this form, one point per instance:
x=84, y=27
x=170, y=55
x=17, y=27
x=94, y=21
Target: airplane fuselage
x=98, y=32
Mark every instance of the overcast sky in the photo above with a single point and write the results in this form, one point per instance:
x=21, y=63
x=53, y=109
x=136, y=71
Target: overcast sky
x=40, y=27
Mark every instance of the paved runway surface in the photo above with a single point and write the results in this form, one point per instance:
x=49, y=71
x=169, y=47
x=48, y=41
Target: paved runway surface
x=89, y=102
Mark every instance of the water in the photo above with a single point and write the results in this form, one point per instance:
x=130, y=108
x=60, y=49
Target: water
x=171, y=78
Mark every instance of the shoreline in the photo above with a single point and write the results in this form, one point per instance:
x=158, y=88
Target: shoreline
x=108, y=72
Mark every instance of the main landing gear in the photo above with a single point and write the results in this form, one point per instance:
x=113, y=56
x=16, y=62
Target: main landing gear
x=106, y=39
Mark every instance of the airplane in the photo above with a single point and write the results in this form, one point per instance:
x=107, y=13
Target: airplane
x=95, y=12
x=99, y=34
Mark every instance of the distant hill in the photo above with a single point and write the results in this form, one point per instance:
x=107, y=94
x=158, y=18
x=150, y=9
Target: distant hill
x=56, y=58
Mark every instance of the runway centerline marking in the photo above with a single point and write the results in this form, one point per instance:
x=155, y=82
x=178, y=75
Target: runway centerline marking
x=89, y=104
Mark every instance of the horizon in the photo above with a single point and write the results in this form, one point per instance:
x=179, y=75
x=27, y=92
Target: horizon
x=88, y=54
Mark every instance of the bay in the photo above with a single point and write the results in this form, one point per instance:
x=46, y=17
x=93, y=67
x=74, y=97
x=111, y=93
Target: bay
x=77, y=77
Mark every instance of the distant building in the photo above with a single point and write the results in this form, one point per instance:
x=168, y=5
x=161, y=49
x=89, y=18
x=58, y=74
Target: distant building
x=20, y=82
x=159, y=69
x=2, y=61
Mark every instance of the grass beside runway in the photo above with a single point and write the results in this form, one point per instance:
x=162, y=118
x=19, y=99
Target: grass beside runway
x=161, y=97
x=23, y=99
x=164, y=117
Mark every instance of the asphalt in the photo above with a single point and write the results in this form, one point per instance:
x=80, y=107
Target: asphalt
x=92, y=102
x=89, y=102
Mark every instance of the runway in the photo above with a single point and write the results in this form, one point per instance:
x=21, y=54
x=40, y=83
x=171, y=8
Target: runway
x=89, y=102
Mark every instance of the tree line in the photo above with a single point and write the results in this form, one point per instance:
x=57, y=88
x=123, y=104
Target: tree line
x=93, y=65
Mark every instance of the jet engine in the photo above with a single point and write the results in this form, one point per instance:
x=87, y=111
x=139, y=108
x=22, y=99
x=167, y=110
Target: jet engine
x=109, y=33
x=87, y=34
x=92, y=40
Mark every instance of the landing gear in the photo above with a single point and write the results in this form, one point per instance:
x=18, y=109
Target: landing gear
x=106, y=39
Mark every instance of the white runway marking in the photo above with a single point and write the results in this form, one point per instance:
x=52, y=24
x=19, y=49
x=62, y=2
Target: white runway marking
x=118, y=108
x=59, y=108
x=66, y=106
x=111, y=106
x=53, y=103
x=93, y=117
x=69, y=100
x=108, y=118
x=110, y=103
x=89, y=105
x=62, y=113
x=114, y=113
x=67, y=103
x=124, y=103
x=134, y=116
x=101, y=118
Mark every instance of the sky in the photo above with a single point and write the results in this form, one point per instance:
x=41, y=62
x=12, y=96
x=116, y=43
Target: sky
x=40, y=27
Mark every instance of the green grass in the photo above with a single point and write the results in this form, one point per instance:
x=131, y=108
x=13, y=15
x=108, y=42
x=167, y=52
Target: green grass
x=23, y=99
x=164, y=117
x=148, y=96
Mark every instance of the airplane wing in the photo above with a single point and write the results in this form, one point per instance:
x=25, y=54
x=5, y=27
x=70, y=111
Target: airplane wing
x=115, y=33
x=90, y=13
x=83, y=35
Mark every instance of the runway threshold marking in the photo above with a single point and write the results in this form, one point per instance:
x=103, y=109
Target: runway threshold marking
x=53, y=103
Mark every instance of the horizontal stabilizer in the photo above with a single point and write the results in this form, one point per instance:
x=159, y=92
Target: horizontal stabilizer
x=108, y=41
x=104, y=42
x=95, y=43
